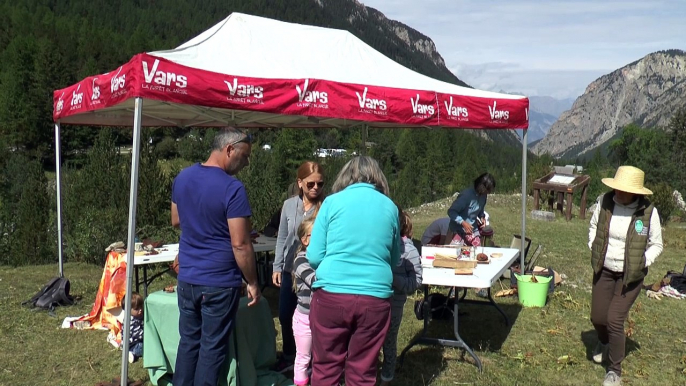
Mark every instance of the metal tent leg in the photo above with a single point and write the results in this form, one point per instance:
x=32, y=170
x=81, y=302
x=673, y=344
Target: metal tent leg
x=133, y=198
x=58, y=185
x=525, y=138
x=365, y=133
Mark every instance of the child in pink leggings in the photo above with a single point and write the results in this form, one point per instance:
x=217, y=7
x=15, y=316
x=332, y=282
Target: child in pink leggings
x=303, y=277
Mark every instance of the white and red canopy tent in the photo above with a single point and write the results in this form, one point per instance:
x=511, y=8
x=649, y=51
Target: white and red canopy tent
x=249, y=71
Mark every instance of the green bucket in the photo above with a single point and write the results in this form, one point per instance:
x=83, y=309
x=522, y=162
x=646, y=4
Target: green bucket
x=532, y=294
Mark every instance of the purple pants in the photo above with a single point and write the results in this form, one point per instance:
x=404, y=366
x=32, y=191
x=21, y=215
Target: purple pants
x=347, y=334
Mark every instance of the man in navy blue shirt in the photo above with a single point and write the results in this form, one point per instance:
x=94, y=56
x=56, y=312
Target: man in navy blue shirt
x=211, y=207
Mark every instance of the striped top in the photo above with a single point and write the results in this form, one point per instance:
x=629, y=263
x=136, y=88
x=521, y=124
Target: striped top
x=304, y=277
x=136, y=334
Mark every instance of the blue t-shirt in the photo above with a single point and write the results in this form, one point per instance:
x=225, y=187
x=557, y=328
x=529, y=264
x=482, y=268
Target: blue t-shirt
x=206, y=197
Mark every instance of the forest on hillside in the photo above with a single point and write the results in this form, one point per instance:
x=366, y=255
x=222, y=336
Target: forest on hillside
x=47, y=44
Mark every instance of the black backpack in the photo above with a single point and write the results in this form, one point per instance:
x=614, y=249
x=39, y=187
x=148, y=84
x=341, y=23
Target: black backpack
x=677, y=280
x=55, y=293
x=441, y=307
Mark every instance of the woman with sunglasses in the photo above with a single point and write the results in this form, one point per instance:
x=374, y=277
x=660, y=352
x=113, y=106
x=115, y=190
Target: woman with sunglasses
x=304, y=205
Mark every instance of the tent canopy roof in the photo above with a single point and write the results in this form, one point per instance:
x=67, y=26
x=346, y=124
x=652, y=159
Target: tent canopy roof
x=252, y=71
x=258, y=47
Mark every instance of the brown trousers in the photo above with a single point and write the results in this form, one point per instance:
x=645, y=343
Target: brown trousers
x=610, y=305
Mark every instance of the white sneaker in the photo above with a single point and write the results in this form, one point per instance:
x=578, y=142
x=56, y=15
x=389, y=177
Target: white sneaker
x=132, y=358
x=600, y=353
x=612, y=379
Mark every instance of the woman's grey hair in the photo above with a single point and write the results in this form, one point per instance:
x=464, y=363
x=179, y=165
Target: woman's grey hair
x=225, y=136
x=361, y=169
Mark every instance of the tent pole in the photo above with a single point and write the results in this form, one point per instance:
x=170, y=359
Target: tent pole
x=58, y=186
x=130, y=252
x=523, y=243
x=365, y=129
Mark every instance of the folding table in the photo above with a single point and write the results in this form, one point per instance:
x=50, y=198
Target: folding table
x=484, y=276
x=263, y=245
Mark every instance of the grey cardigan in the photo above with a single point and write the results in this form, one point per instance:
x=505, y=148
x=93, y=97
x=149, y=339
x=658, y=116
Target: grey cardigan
x=287, y=242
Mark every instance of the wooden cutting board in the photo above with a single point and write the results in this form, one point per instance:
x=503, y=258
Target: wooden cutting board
x=464, y=271
x=453, y=263
x=444, y=256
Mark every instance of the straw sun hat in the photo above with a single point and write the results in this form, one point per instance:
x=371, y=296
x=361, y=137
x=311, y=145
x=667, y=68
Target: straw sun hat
x=628, y=179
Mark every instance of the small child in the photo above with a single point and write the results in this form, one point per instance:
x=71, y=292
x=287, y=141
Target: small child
x=407, y=277
x=136, y=335
x=303, y=276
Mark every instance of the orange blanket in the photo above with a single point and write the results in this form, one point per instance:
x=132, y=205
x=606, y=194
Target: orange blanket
x=111, y=291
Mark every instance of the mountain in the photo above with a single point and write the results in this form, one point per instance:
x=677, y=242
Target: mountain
x=394, y=39
x=549, y=105
x=543, y=112
x=539, y=124
x=646, y=92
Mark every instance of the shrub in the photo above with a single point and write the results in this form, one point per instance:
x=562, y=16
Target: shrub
x=166, y=148
x=663, y=200
x=195, y=146
x=96, y=200
x=26, y=235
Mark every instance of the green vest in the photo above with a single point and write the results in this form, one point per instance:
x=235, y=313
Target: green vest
x=636, y=239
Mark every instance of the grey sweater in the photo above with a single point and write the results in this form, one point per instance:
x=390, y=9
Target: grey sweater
x=407, y=275
x=287, y=242
x=303, y=275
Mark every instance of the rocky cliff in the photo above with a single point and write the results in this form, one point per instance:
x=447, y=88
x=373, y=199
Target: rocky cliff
x=646, y=92
x=395, y=39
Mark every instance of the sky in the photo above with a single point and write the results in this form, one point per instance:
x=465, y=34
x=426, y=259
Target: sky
x=541, y=47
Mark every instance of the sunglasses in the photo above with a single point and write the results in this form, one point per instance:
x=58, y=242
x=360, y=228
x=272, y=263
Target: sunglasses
x=246, y=139
x=311, y=184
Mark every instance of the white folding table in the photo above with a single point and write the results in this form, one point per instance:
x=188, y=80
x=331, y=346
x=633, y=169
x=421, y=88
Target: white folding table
x=485, y=275
x=262, y=245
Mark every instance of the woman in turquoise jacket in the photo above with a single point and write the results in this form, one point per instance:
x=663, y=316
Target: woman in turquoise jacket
x=355, y=242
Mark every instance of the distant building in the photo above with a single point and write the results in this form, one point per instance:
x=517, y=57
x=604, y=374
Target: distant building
x=324, y=153
x=575, y=168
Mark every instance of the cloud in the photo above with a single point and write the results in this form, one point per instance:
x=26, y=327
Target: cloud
x=513, y=78
x=548, y=43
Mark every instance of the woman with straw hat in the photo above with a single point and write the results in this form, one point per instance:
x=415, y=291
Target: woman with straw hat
x=625, y=237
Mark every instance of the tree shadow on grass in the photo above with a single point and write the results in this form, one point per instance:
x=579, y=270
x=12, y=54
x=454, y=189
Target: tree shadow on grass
x=483, y=328
x=590, y=340
x=421, y=365
x=271, y=294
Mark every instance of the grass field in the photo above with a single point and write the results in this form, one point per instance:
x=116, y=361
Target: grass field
x=544, y=346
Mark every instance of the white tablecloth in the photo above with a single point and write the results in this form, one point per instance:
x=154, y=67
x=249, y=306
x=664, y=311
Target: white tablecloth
x=484, y=274
x=167, y=253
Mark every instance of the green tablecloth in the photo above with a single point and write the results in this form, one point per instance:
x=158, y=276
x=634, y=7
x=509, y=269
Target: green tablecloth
x=254, y=336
